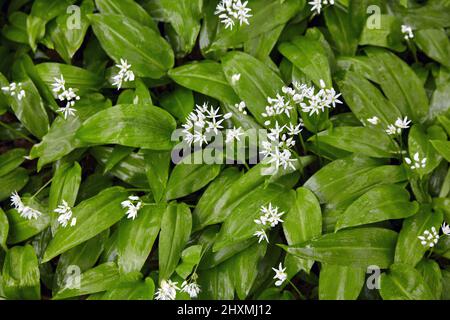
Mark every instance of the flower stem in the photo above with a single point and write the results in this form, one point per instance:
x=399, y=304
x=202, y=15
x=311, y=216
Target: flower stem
x=41, y=188
x=24, y=136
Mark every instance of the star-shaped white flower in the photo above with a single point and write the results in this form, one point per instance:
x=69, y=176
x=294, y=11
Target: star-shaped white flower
x=280, y=275
x=446, y=229
x=261, y=235
x=429, y=238
x=167, y=290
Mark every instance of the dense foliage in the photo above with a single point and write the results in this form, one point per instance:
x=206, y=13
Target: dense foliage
x=348, y=199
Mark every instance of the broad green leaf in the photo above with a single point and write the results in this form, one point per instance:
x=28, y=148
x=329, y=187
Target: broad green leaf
x=13, y=181
x=206, y=77
x=387, y=35
x=359, y=247
x=303, y=222
x=443, y=147
x=240, y=223
x=432, y=275
x=400, y=84
x=187, y=178
x=381, y=203
x=100, y=278
x=175, y=231
x=310, y=57
x=4, y=228
x=179, y=102
x=42, y=12
x=345, y=36
x=20, y=228
x=144, y=48
x=340, y=282
x=371, y=142
x=216, y=283
x=21, y=274
x=435, y=44
x=11, y=159
x=75, y=77
x=136, y=238
x=16, y=30
x=439, y=101
x=118, y=154
x=157, y=168
x=138, y=290
x=134, y=126
x=190, y=257
x=93, y=216
x=445, y=285
x=257, y=82
x=127, y=8
x=82, y=257
x=403, y=282
x=366, y=101
x=409, y=250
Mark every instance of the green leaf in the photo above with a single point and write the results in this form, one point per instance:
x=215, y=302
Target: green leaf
x=136, y=238
x=107, y=211
x=187, y=178
x=157, y=168
x=127, y=8
x=359, y=247
x=409, y=250
x=98, y=279
x=135, y=126
x=435, y=44
x=206, y=77
x=4, y=228
x=381, y=203
x=190, y=257
x=403, y=282
x=310, y=57
x=11, y=159
x=388, y=35
x=216, y=283
x=13, y=181
x=175, y=231
x=303, y=222
x=345, y=36
x=443, y=147
x=118, y=154
x=256, y=84
x=21, y=274
x=137, y=290
x=400, y=84
x=179, y=102
x=123, y=37
x=340, y=282
x=432, y=275
x=371, y=142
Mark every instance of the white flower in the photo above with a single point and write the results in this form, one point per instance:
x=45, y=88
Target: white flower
x=295, y=130
x=192, y=288
x=235, y=78
x=280, y=275
x=446, y=229
x=68, y=95
x=269, y=216
x=392, y=130
x=234, y=134
x=24, y=211
x=125, y=74
x=133, y=205
x=318, y=4
x=229, y=11
x=261, y=234
x=241, y=107
x=429, y=238
x=15, y=89
x=407, y=31
x=374, y=120
x=167, y=290
x=418, y=163
x=402, y=123
x=65, y=215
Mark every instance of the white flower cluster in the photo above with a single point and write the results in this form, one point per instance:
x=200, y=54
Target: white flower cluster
x=241, y=106
x=15, y=89
x=168, y=289
x=398, y=126
x=63, y=94
x=202, y=121
x=133, y=204
x=304, y=96
x=407, y=32
x=230, y=11
x=234, y=134
x=125, y=74
x=446, y=229
x=280, y=139
x=318, y=4
x=280, y=275
x=65, y=215
x=429, y=238
x=25, y=211
x=418, y=163
x=269, y=217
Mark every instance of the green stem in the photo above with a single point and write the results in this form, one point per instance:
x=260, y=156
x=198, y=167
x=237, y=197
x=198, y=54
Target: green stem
x=302, y=297
x=24, y=136
x=41, y=188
